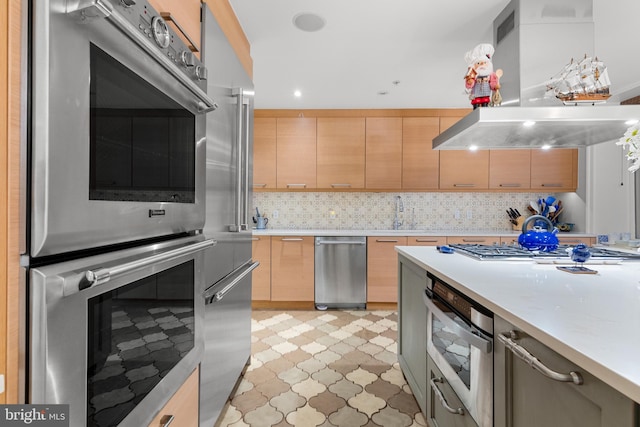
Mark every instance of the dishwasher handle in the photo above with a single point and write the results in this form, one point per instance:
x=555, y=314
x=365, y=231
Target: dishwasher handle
x=340, y=242
x=211, y=297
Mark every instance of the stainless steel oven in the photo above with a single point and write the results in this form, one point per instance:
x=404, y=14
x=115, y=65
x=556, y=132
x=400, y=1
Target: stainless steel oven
x=460, y=342
x=115, y=335
x=118, y=127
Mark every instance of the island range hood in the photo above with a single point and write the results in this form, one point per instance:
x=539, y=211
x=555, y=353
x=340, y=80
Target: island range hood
x=533, y=41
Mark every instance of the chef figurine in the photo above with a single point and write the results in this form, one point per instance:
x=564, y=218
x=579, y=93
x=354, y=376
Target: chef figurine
x=481, y=82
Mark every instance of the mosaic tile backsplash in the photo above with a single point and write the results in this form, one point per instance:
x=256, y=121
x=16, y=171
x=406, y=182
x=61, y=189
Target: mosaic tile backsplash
x=432, y=212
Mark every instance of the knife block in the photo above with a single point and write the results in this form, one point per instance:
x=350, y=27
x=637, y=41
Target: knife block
x=518, y=226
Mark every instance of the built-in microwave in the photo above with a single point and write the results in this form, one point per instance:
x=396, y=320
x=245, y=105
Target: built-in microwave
x=117, y=134
x=115, y=335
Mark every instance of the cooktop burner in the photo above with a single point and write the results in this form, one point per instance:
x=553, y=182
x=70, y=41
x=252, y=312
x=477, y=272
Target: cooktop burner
x=505, y=252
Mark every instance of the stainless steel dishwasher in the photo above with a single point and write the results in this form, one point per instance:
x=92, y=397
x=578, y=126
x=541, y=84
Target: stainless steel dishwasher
x=340, y=272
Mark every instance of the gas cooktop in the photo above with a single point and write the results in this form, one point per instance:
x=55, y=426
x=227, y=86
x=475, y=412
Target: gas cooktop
x=512, y=252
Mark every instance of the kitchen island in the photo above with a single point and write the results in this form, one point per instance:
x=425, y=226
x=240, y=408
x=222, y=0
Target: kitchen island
x=592, y=320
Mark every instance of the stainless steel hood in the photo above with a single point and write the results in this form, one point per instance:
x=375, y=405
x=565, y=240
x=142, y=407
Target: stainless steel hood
x=533, y=41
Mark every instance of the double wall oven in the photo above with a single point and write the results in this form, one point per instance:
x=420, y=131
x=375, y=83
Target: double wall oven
x=113, y=243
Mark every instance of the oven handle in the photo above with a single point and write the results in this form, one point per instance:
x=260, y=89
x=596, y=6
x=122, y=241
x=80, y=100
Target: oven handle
x=535, y=363
x=443, y=401
x=480, y=343
x=211, y=297
x=100, y=276
x=102, y=8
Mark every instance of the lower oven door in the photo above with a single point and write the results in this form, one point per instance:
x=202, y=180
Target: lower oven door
x=117, y=129
x=115, y=335
x=464, y=355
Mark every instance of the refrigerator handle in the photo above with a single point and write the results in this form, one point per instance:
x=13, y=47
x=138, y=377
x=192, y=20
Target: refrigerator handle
x=243, y=122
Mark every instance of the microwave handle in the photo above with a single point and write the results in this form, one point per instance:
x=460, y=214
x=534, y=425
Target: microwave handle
x=480, y=343
x=100, y=276
x=103, y=9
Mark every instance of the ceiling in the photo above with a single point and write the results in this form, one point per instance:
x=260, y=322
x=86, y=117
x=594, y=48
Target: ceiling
x=398, y=54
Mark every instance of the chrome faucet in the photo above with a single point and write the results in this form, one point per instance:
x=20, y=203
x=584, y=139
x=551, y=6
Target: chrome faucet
x=399, y=208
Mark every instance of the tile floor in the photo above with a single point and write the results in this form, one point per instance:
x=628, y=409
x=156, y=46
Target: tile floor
x=323, y=368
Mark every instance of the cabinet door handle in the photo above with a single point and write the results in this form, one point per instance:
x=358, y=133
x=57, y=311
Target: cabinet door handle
x=260, y=185
x=341, y=185
x=443, y=401
x=296, y=185
x=292, y=239
x=166, y=420
x=386, y=241
x=510, y=185
x=474, y=240
x=464, y=185
x=535, y=363
x=427, y=240
x=551, y=185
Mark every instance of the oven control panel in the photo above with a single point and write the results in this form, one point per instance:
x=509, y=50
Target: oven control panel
x=455, y=300
x=143, y=18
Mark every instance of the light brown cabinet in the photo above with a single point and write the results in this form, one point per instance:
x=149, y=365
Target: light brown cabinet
x=183, y=406
x=184, y=19
x=382, y=268
x=510, y=169
x=464, y=170
x=384, y=153
x=426, y=240
x=420, y=162
x=264, y=152
x=292, y=263
x=261, y=279
x=554, y=170
x=296, y=152
x=474, y=240
x=340, y=152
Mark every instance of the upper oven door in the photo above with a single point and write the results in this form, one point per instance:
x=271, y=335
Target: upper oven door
x=118, y=127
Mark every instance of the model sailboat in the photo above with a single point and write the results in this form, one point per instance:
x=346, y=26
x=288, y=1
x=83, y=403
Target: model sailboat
x=584, y=82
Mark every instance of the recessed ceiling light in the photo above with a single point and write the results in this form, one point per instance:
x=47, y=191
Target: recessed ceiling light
x=297, y=94
x=473, y=148
x=308, y=21
x=528, y=123
x=546, y=147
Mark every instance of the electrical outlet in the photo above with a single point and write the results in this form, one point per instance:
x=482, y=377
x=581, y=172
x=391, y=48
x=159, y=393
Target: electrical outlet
x=469, y=214
x=456, y=214
x=275, y=214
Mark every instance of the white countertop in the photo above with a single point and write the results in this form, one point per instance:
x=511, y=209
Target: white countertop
x=592, y=320
x=369, y=232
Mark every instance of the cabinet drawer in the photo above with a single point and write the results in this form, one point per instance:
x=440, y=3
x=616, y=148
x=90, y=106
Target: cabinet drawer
x=182, y=408
x=437, y=415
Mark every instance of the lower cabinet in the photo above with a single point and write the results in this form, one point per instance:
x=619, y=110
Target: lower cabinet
x=292, y=263
x=440, y=394
x=261, y=279
x=524, y=397
x=412, y=329
x=382, y=268
x=182, y=408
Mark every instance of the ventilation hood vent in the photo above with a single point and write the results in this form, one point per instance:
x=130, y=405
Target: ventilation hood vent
x=533, y=41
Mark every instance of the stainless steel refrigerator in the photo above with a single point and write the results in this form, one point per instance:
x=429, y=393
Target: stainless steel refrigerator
x=228, y=265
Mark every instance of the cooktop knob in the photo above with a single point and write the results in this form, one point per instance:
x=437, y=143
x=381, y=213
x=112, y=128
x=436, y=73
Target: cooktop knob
x=160, y=32
x=187, y=58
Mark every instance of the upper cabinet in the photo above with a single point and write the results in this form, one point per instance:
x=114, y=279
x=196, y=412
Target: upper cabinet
x=340, y=152
x=510, y=169
x=264, y=153
x=184, y=18
x=554, y=170
x=384, y=153
x=462, y=169
x=391, y=150
x=420, y=162
x=296, y=152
